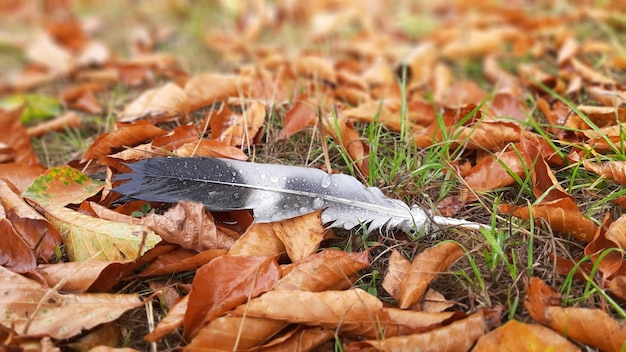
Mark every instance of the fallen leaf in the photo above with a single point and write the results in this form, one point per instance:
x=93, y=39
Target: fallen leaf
x=224, y=283
x=593, y=327
x=34, y=310
x=67, y=120
x=232, y=333
x=15, y=136
x=259, y=240
x=301, y=235
x=424, y=269
x=237, y=129
x=457, y=336
x=301, y=115
x=42, y=238
x=163, y=104
x=397, y=268
x=126, y=135
x=516, y=336
x=614, y=170
x=189, y=225
x=326, y=270
x=15, y=253
x=353, y=312
x=207, y=88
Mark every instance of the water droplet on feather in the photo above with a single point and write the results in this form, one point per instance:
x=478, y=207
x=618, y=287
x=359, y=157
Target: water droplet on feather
x=326, y=181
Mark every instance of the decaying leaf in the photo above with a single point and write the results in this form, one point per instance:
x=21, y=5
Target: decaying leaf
x=589, y=326
x=525, y=337
x=159, y=105
x=35, y=310
x=424, y=269
x=225, y=283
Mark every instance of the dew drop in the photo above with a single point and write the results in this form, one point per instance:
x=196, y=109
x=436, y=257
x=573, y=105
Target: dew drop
x=274, y=178
x=229, y=165
x=326, y=181
x=318, y=203
x=236, y=196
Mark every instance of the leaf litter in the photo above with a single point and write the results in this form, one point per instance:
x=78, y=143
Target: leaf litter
x=519, y=103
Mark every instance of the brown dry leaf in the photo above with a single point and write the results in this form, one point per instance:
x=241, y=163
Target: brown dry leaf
x=493, y=136
x=126, y=135
x=301, y=115
x=614, y=170
x=301, y=235
x=490, y=174
x=326, y=270
x=315, y=67
x=101, y=338
x=189, y=225
x=42, y=238
x=15, y=253
x=462, y=94
x=479, y=42
x=35, y=310
x=233, y=333
x=397, y=268
x=67, y=120
x=516, y=336
x=259, y=240
x=592, y=327
x=509, y=105
x=617, y=287
x=562, y=215
x=353, y=312
x=342, y=131
x=225, y=283
x=601, y=116
x=15, y=136
x=181, y=135
x=237, y=129
x=164, y=104
x=179, y=260
x=424, y=269
x=211, y=147
x=82, y=97
x=207, y=88
x=458, y=336
x=299, y=340
x=44, y=52
x=610, y=236
x=20, y=175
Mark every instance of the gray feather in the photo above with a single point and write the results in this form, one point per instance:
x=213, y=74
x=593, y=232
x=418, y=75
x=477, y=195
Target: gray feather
x=273, y=192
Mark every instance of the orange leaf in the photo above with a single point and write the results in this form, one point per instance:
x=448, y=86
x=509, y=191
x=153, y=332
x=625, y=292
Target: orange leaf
x=610, y=236
x=259, y=240
x=525, y=337
x=15, y=253
x=237, y=129
x=42, y=238
x=397, y=268
x=189, y=225
x=561, y=215
x=234, y=333
x=125, y=135
x=300, y=116
x=326, y=270
x=26, y=303
x=163, y=104
x=424, y=269
x=211, y=147
x=458, y=336
x=14, y=135
x=301, y=235
x=588, y=326
x=207, y=88
x=614, y=170
x=224, y=283
x=353, y=312
x=489, y=173
x=172, y=321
